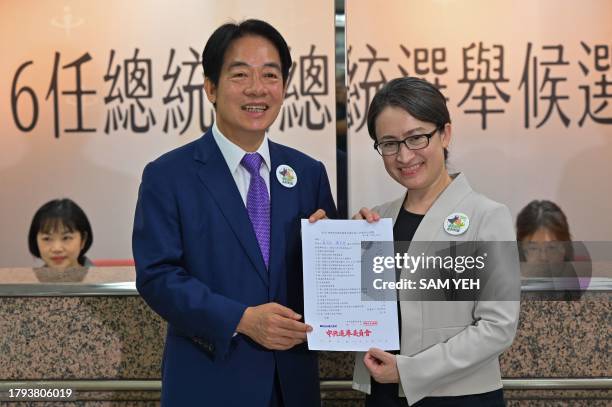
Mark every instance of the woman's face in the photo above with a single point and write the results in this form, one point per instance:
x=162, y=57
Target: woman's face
x=60, y=248
x=543, y=247
x=414, y=169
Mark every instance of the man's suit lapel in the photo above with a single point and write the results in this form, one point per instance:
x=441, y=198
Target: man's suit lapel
x=216, y=177
x=283, y=202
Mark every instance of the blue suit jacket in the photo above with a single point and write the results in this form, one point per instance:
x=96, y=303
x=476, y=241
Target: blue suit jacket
x=199, y=266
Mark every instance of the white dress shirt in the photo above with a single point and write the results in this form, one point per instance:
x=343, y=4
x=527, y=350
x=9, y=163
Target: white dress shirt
x=233, y=154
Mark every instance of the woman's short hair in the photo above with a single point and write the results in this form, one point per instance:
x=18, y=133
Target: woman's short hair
x=417, y=97
x=53, y=216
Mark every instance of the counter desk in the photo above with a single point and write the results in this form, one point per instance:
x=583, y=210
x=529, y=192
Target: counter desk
x=88, y=333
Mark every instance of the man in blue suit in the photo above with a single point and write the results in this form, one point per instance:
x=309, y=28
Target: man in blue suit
x=217, y=238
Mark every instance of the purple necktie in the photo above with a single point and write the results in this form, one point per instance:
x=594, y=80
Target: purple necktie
x=258, y=203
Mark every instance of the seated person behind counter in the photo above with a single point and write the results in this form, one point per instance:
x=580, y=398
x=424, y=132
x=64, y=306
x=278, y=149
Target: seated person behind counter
x=547, y=250
x=60, y=235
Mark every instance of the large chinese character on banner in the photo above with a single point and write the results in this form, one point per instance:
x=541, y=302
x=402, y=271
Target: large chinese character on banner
x=531, y=109
x=90, y=100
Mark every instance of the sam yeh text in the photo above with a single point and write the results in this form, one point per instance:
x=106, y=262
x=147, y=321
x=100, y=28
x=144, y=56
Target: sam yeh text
x=428, y=284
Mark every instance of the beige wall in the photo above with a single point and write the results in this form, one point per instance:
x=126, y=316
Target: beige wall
x=100, y=171
x=508, y=162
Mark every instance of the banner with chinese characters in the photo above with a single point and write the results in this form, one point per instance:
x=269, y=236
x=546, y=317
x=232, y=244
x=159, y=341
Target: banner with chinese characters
x=93, y=91
x=529, y=89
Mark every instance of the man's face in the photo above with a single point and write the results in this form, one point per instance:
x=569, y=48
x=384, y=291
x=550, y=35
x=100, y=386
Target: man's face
x=250, y=91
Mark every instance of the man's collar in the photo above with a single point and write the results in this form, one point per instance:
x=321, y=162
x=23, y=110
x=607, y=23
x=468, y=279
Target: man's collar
x=233, y=153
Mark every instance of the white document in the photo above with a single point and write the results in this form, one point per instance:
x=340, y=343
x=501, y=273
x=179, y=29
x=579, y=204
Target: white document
x=342, y=318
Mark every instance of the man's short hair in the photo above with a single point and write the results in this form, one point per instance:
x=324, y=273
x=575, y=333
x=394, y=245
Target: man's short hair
x=214, y=51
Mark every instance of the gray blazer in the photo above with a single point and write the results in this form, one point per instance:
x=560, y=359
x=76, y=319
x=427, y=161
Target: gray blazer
x=443, y=352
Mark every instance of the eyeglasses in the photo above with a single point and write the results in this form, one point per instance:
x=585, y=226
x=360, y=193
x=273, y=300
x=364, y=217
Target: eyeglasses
x=414, y=142
x=534, y=249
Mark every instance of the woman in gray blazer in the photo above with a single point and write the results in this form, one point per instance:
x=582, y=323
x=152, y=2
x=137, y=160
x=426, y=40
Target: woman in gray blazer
x=449, y=349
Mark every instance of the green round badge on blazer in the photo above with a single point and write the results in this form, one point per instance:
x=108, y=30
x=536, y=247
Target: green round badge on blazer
x=456, y=223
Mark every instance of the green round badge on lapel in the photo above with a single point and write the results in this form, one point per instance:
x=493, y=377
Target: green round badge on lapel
x=286, y=176
x=456, y=223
